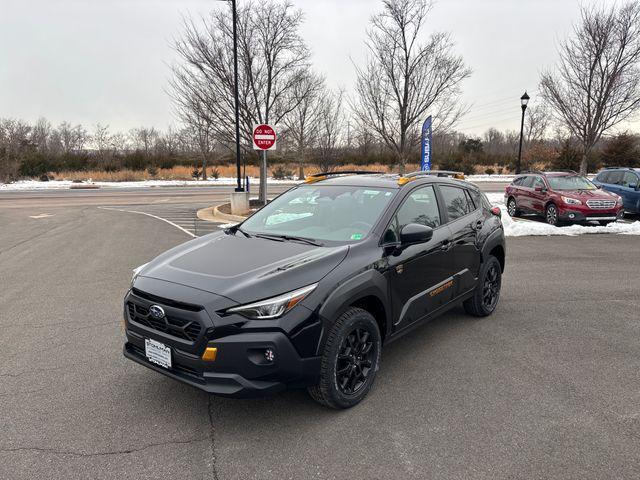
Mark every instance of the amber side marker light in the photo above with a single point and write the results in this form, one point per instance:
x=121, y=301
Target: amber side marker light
x=210, y=354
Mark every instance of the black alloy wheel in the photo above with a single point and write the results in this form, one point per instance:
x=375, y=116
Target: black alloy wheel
x=491, y=287
x=349, y=361
x=487, y=293
x=354, y=361
x=512, y=207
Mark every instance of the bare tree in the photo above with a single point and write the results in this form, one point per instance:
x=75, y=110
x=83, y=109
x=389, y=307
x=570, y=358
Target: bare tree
x=70, y=139
x=40, y=134
x=273, y=58
x=302, y=123
x=144, y=138
x=329, y=128
x=406, y=79
x=536, y=123
x=597, y=82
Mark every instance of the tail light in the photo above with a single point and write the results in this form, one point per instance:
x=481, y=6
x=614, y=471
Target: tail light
x=496, y=211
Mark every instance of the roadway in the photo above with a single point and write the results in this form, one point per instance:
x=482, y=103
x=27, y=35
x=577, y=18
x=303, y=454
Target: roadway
x=545, y=388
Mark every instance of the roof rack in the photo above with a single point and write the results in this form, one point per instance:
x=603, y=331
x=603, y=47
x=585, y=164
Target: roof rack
x=434, y=173
x=617, y=168
x=316, y=177
x=406, y=178
x=542, y=172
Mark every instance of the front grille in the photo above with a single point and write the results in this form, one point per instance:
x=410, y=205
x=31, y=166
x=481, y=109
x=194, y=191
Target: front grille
x=601, y=204
x=170, y=324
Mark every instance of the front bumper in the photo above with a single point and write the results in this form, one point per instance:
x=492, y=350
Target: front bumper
x=590, y=215
x=240, y=369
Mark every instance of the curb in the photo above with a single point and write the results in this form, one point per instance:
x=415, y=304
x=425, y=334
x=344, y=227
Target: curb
x=213, y=214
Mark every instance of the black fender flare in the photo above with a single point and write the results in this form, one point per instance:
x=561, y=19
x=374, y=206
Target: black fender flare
x=369, y=283
x=495, y=239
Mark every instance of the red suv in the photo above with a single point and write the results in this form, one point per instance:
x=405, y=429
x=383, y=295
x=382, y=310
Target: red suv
x=562, y=197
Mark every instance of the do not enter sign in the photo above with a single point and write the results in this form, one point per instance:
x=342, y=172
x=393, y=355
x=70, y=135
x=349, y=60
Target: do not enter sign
x=264, y=137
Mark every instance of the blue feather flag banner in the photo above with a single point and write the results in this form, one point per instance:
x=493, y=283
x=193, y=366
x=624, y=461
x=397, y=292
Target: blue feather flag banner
x=425, y=159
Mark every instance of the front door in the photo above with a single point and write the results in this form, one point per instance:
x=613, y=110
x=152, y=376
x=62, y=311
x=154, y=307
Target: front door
x=420, y=276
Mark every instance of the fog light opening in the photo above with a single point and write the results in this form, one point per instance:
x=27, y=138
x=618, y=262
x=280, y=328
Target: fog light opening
x=572, y=216
x=269, y=355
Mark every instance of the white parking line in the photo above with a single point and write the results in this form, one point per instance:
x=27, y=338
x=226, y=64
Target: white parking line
x=152, y=216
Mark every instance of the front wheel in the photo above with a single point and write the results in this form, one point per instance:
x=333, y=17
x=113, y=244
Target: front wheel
x=487, y=293
x=551, y=215
x=349, y=360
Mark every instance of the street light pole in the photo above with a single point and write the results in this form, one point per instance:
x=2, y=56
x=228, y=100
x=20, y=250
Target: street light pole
x=239, y=187
x=523, y=103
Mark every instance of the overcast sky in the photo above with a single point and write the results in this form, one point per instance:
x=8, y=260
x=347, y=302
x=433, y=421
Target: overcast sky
x=89, y=61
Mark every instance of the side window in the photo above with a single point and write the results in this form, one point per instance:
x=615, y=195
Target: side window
x=518, y=181
x=455, y=201
x=615, y=178
x=538, y=182
x=527, y=182
x=629, y=178
x=603, y=177
x=420, y=207
x=475, y=198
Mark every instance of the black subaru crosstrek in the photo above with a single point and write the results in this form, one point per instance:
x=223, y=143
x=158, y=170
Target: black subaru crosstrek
x=305, y=292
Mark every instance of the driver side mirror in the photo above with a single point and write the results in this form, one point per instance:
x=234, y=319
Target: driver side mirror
x=414, y=233
x=633, y=186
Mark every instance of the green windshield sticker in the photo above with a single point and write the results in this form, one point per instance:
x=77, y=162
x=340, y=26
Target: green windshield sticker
x=356, y=236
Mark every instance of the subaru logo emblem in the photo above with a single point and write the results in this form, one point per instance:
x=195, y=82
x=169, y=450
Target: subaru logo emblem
x=156, y=312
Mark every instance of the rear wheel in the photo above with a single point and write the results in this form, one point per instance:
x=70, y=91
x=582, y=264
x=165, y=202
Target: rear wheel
x=349, y=360
x=551, y=215
x=512, y=207
x=487, y=293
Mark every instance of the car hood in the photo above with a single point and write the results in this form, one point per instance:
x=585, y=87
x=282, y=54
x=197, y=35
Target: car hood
x=244, y=269
x=589, y=194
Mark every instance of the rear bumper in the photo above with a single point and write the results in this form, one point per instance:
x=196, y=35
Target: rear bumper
x=240, y=369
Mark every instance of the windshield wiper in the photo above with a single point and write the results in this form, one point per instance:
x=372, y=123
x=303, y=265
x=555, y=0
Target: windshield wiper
x=235, y=229
x=291, y=238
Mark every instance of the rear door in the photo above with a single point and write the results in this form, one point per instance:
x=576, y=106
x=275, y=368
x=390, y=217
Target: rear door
x=419, y=275
x=524, y=199
x=464, y=221
x=538, y=194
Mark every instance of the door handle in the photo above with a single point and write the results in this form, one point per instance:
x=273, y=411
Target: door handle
x=446, y=246
x=479, y=224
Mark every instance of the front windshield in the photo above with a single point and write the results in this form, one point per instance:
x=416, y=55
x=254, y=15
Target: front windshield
x=322, y=213
x=573, y=182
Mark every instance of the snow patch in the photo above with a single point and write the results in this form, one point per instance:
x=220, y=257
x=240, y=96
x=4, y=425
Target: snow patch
x=525, y=227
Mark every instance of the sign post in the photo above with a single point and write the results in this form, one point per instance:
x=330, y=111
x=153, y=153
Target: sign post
x=264, y=139
x=427, y=135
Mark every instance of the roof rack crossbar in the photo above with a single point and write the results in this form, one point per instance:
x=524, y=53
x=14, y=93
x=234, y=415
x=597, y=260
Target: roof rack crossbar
x=435, y=173
x=345, y=172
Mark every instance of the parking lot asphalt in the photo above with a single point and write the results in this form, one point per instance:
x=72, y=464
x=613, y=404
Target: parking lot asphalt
x=548, y=387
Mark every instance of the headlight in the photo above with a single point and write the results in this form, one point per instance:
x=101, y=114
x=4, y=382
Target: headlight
x=619, y=200
x=136, y=272
x=571, y=201
x=273, y=307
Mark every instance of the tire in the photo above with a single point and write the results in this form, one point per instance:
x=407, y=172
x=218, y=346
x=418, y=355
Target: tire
x=487, y=293
x=338, y=363
x=551, y=215
x=512, y=208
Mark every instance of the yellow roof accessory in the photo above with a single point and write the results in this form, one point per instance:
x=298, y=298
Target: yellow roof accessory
x=404, y=180
x=459, y=176
x=210, y=354
x=314, y=179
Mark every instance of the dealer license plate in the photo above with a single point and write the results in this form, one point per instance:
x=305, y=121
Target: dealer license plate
x=157, y=353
